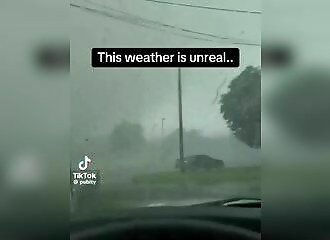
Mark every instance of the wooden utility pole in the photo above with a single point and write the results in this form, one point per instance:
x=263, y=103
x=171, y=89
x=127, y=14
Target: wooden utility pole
x=163, y=119
x=180, y=121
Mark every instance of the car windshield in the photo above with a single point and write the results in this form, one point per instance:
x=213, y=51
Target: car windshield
x=165, y=136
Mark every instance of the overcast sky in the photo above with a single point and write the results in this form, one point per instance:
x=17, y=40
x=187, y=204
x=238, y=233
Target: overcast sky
x=102, y=98
x=33, y=102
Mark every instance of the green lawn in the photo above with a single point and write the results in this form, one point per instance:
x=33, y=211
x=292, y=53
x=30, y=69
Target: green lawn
x=217, y=176
x=172, y=185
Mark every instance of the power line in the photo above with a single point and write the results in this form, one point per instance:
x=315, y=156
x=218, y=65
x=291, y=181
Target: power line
x=167, y=25
x=204, y=7
x=133, y=20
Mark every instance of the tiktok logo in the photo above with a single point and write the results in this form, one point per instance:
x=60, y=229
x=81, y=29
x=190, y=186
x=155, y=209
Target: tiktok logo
x=84, y=164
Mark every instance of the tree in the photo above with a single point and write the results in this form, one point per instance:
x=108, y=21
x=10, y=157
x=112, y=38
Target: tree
x=241, y=106
x=126, y=137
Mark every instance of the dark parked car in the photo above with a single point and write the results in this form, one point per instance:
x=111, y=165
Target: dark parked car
x=198, y=162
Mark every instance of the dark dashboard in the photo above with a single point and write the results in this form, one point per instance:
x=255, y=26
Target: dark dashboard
x=197, y=222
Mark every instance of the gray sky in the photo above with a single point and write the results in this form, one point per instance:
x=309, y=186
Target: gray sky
x=102, y=98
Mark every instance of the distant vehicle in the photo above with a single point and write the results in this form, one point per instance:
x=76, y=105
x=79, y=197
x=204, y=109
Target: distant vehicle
x=199, y=162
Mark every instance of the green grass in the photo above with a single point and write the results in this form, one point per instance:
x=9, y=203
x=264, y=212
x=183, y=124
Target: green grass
x=171, y=185
x=242, y=174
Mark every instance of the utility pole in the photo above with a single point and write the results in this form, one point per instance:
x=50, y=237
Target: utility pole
x=180, y=122
x=163, y=119
x=162, y=155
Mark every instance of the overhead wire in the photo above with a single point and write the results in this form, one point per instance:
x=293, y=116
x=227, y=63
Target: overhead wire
x=204, y=7
x=143, y=22
x=131, y=21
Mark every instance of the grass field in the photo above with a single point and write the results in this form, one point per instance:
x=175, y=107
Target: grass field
x=217, y=176
x=171, y=186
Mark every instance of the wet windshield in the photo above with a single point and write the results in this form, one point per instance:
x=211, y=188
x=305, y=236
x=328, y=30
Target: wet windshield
x=127, y=121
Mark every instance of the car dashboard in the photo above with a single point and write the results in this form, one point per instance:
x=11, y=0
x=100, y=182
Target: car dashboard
x=240, y=220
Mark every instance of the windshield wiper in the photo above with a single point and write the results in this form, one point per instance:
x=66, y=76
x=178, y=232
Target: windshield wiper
x=234, y=202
